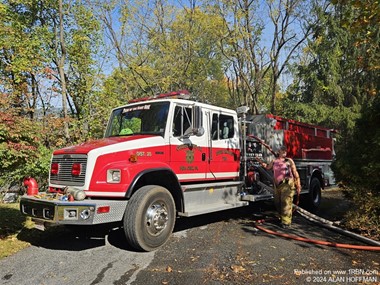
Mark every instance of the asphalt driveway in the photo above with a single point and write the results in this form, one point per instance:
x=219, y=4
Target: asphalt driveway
x=218, y=248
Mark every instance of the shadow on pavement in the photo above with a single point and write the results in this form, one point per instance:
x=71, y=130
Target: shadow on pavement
x=77, y=238
x=83, y=238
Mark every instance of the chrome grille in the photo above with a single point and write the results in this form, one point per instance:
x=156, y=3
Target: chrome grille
x=64, y=175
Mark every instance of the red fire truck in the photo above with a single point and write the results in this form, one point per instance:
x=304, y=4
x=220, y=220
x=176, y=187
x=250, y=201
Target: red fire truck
x=167, y=157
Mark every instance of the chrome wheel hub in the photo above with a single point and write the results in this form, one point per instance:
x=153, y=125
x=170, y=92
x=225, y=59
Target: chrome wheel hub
x=156, y=218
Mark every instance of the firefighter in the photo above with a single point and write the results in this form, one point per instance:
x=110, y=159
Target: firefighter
x=286, y=182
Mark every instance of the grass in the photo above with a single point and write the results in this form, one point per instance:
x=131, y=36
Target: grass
x=12, y=223
x=17, y=231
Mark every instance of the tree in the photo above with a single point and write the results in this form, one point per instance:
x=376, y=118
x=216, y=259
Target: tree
x=30, y=79
x=332, y=79
x=43, y=56
x=259, y=49
x=75, y=40
x=289, y=33
x=168, y=50
x=21, y=56
x=244, y=67
x=61, y=59
x=358, y=166
x=21, y=149
x=336, y=86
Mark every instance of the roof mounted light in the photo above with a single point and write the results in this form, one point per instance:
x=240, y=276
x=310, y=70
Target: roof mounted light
x=242, y=109
x=180, y=94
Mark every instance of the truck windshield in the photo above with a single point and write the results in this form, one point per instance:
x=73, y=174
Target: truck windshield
x=147, y=118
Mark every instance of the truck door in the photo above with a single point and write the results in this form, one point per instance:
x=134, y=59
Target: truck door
x=187, y=152
x=224, y=147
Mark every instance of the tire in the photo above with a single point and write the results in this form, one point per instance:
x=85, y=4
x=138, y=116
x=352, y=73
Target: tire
x=314, y=197
x=149, y=218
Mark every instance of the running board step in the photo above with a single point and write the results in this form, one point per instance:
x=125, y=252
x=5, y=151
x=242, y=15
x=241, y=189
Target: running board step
x=255, y=198
x=204, y=209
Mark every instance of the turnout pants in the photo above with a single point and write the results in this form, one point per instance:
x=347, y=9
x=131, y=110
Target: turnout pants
x=283, y=200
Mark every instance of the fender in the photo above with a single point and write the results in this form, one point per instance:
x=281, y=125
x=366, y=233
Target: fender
x=163, y=176
x=129, y=170
x=319, y=175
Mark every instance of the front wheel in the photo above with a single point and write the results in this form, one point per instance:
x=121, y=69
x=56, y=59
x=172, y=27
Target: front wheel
x=149, y=218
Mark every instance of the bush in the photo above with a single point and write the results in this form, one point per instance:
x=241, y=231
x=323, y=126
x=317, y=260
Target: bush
x=365, y=218
x=22, y=151
x=358, y=167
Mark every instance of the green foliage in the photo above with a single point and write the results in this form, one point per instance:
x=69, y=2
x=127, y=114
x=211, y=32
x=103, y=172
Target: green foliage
x=82, y=41
x=339, y=118
x=113, y=94
x=358, y=163
x=21, y=53
x=30, y=52
x=362, y=20
x=336, y=85
x=179, y=54
x=358, y=167
x=21, y=149
x=364, y=217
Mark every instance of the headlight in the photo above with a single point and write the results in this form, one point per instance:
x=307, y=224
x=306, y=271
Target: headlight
x=113, y=175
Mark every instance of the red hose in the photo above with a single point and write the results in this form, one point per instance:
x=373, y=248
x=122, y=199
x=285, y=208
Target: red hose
x=319, y=242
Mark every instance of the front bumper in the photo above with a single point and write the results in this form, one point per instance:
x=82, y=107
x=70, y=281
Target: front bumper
x=86, y=212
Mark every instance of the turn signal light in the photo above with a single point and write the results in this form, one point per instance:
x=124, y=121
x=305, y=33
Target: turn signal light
x=103, y=209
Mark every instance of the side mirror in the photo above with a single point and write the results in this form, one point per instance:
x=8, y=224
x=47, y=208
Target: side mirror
x=197, y=127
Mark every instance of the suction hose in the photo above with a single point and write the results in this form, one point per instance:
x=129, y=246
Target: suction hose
x=330, y=225
x=327, y=224
x=319, y=220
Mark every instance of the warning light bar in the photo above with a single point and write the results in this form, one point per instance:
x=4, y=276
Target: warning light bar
x=181, y=94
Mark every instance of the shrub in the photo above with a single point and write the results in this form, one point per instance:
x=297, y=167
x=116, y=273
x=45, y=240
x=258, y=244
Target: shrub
x=358, y=167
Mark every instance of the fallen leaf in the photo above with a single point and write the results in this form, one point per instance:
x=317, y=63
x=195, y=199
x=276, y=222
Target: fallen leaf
x=237, y=268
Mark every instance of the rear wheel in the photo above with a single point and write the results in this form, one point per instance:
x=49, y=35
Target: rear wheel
x=314, y=196
x=149, y=218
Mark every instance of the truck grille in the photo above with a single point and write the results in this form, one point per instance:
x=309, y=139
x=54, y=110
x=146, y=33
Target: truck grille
x=64, y=175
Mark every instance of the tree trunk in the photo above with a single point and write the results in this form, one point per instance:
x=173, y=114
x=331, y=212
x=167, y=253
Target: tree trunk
x=61, y=70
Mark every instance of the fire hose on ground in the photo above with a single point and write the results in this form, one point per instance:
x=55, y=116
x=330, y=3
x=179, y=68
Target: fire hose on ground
x=327, y=224
x=320, y=221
